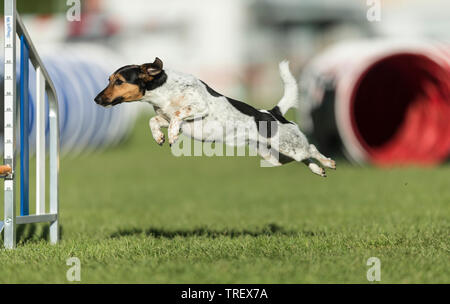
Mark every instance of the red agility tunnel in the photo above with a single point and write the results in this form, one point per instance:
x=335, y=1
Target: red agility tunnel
x=391, y=102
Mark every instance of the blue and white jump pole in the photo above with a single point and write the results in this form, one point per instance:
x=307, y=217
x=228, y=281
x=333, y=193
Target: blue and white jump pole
x=24, y=129
x=44, y=84
x=55, y=112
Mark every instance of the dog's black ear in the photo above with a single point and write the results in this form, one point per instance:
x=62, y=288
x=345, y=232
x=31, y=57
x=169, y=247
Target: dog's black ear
x=158, y=63
x=152, y=69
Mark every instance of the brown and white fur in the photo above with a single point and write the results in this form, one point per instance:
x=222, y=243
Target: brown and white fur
x=181, y=101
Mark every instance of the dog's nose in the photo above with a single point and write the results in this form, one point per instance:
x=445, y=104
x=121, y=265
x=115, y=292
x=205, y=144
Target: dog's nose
x=98, y=99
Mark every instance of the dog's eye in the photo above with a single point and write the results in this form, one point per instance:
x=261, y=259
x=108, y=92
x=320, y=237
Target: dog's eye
x=118, y=82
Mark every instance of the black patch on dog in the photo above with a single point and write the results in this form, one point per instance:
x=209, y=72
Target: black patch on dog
x=130, y=67
x=284, y=159
x=156, y=82
x=263, y=120
x=275, y=114
x=131, y=75
x=211, y=91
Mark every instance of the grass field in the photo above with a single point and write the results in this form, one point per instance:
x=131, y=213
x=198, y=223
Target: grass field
x=137, y=214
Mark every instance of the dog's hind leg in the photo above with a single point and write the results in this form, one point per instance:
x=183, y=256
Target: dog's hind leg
x=302, y=155
x=295, y=145
x=326, y=161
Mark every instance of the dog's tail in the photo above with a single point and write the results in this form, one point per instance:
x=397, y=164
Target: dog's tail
x=290, y=97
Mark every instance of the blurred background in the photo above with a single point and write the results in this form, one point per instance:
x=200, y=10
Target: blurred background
x=374, y=76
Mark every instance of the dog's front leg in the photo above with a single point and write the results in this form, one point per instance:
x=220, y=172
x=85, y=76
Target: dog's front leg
x=156, y=123
x=187, y=112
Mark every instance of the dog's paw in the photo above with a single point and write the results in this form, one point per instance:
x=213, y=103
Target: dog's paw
x=331, y=164
x=160, y=139
x=328, y=162
x=323, y=173
x=173, y=139
x=316, y=169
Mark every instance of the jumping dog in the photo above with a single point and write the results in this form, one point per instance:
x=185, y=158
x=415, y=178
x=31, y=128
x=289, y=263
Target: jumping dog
x=181, y=100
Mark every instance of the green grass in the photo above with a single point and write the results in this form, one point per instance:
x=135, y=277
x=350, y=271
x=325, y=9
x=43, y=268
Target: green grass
x=137, y=214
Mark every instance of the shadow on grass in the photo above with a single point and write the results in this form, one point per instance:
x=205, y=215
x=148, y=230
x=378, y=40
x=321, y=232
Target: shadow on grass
x=32, y=233
x=267, y=230
x=28, y=233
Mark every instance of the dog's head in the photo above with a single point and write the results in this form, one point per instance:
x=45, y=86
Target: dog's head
x=130, y=82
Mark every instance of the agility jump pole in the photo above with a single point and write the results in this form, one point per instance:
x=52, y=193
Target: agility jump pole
x=13, y=26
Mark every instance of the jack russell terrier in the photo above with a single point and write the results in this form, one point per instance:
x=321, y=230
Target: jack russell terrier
x=181, y=101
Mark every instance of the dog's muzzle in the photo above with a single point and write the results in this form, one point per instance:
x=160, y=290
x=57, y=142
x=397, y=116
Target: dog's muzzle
x=100, y=100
